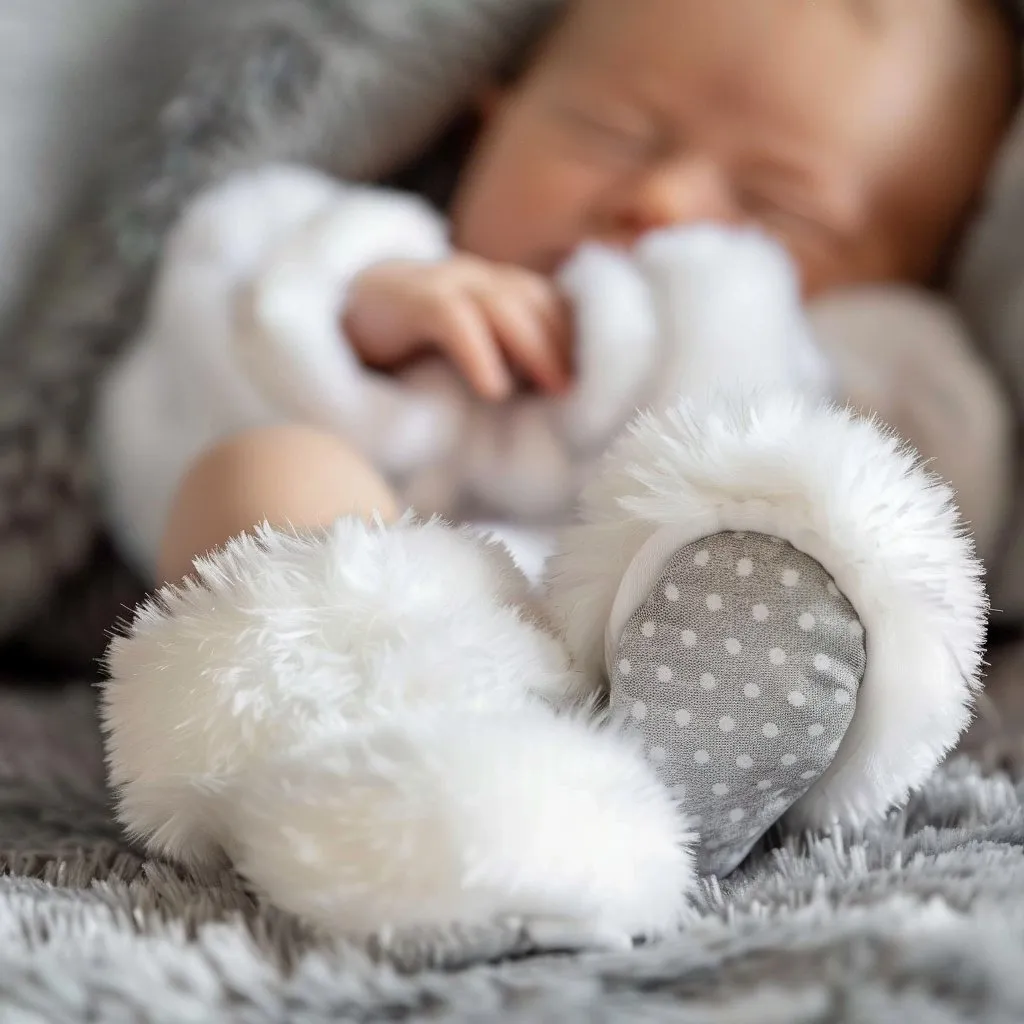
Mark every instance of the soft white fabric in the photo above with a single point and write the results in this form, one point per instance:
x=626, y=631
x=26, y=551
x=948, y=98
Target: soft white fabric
x=244, y=330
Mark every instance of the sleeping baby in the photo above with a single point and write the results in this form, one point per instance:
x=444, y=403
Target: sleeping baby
x=669, y=198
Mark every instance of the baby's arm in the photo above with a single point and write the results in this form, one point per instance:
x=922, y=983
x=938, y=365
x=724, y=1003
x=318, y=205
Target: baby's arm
x=903, y=355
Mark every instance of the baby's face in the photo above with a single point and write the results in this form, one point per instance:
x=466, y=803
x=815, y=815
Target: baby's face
x=856, y=131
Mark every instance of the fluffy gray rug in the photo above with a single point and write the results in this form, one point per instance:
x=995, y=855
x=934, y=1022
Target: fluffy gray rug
x=919, y=920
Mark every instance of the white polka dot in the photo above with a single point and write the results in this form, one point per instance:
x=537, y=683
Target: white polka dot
x=658, y=755
x=714, y=602
x=648, y=629
x=833, y=589
x=807, y=776
x=807, y=622
x=664, y=674
x=736, y=815
x=833, y=747
x=815, y=730
x=639, y=710
x=745, y=567
x=764, y=784
x=683, y=718
x=777, y=656
x=744, y=761
x=790, y=578
x=702, y=558
x=624, y=667
x=720, y=789
x=770, y=730
x=752, y=691
x=822, y=662
x=696, y=821
x=856, y=630
x=788, y=760
x=797, y=699
x=671, y=592
x=701, y=756
x=708, y=681
x=679, y=790
x=761, y=613
x=733, y=646
x=843, y=697
x=688, y=638
x=726, y=724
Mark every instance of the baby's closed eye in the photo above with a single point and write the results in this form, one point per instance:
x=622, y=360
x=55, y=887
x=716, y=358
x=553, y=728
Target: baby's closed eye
x=618, y=136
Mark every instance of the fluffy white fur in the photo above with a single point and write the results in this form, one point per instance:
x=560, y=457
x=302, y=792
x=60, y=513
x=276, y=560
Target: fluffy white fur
x=378, y=728
x=843, y=491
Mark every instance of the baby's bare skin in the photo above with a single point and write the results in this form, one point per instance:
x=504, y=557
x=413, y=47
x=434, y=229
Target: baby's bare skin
x=858, y=132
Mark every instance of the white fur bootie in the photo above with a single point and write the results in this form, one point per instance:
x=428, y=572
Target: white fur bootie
x=785, y=609
x=379, y=729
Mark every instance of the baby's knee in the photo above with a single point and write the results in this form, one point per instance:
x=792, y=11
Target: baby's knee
x=290, y=476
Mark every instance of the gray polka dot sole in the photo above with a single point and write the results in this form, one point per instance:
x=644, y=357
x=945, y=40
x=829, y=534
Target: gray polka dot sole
x=739, y=670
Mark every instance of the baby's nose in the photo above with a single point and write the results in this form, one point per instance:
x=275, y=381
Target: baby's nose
x=683, y=191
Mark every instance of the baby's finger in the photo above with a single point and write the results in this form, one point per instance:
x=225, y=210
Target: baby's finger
x=554, y=311
x=528, y=338
x=465, y=336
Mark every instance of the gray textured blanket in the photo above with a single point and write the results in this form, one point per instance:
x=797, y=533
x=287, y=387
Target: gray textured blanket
x=921, y=919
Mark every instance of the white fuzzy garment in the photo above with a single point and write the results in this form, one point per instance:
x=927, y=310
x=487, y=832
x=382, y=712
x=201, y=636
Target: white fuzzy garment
x=243, y=331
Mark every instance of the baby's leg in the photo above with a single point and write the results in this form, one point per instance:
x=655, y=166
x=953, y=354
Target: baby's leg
x=289, y=476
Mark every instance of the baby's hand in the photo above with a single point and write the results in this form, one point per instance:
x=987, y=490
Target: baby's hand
x=488, y=319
